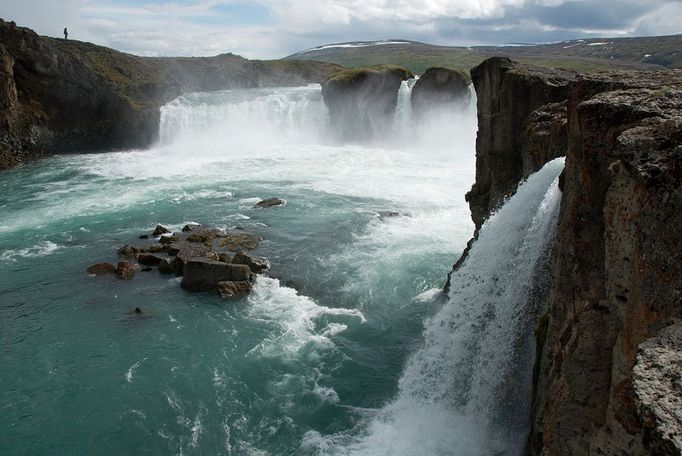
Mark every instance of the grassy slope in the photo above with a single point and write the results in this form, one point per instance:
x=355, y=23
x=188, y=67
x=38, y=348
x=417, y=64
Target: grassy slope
x=623, y=53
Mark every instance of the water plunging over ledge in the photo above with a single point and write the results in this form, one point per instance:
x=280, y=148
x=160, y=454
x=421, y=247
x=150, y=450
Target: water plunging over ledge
x=324, y=356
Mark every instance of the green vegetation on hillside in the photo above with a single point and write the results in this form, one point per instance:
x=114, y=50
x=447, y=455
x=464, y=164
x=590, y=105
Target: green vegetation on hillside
x=577, y=55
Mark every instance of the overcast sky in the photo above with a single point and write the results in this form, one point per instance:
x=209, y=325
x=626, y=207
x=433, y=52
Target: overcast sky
x=276, y=28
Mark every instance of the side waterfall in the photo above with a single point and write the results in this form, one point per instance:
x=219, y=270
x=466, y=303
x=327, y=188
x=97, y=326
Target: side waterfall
x=467, y=390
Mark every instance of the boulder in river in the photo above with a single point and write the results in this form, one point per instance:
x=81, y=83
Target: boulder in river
x=201, y=274
x=184, y=251
x=159, y=230
x=228, y=289
x=128, y=251
x=125, y=270
x=256, y=264
x=238, y=241
x=270, y=202
x=149, y=259
x=167, y=266
x=101, y=269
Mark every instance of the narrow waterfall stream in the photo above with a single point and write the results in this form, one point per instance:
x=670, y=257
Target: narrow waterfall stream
x=342, y=348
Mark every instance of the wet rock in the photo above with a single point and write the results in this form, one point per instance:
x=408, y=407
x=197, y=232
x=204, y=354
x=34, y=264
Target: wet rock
x=159, y=230
x=189, y=227
x=154, y=248
x=147, y=269
x=230, y=289
x=270, y=202
x=125, y=270
x=240, y=241
x=204, y=236
x=440, y=87
x=184, y=251
x=362, y=101
x=256, y=264
x=138, y=311
x=200, y=274
x=507, y=93
x=168, y=239
x=128, y=251
x=224, y=257
x=149, y=259
x=144, y=236
x=167, y=266
x=101, y=269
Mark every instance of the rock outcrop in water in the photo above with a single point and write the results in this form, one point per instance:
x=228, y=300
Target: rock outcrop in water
x=439, y=87
x=199, y=254
x=68, y=96
x=608, y=372
x=362, y=101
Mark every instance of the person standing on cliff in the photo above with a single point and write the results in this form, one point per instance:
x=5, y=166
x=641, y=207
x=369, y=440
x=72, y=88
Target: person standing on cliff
x=66, y=34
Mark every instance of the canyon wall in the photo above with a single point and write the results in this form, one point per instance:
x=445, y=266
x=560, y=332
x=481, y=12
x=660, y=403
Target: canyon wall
x=362, y=101
x=69, y=96
x=608, y=371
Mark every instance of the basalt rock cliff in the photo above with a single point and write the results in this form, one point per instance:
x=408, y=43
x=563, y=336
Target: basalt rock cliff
x=61, y=96
x=609, y=365
x=439, y=87
x=362, y=101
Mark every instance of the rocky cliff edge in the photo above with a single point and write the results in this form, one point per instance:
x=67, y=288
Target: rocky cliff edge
x=609, y=353
x=68, y=96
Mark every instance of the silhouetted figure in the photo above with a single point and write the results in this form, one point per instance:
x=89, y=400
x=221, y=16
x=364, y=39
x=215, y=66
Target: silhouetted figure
x=66, y=34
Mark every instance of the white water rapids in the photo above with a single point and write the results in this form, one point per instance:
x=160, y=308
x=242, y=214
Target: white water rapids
x=467, y=390
x=326, y=356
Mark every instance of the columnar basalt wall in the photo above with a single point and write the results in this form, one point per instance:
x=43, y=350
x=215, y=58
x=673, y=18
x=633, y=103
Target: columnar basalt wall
x=609, y=349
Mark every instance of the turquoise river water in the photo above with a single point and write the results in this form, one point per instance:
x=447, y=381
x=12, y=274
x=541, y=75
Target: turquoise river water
x=342, y=348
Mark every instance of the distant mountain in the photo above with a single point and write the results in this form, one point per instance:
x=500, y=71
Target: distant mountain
x=582, y=55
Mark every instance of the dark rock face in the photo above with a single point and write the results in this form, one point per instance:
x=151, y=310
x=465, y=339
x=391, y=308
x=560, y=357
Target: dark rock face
x=657, y=383
x=59, y=96
x=507, y=93
x=201, y=274
x=617, y=272
x=362, y=101
x=607, y=373
x=439, y=87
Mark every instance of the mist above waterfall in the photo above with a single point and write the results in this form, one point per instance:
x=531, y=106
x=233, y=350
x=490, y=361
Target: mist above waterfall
x=253, y=118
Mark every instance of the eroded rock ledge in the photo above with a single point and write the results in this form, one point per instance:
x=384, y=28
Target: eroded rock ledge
x=70, y=96
x=609, y=357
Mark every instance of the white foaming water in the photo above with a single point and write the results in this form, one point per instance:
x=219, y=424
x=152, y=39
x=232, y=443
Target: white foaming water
x=41, y=249
x=245, y=117
x=467, y=391
x=294, y=317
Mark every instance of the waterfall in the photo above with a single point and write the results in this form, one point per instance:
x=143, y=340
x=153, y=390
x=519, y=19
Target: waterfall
x=467, y=390
x=297, y=115
x=281, y=115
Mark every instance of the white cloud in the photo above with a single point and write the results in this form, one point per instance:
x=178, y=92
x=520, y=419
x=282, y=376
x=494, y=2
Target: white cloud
x=281, y=27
